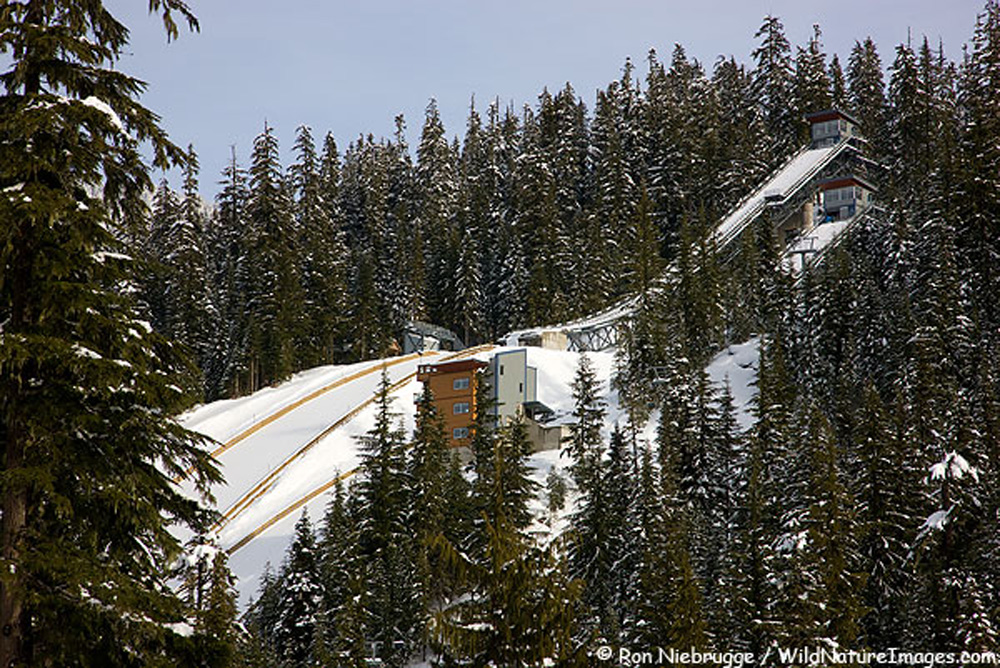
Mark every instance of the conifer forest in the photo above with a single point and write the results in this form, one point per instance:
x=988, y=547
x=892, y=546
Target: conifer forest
x=859, y=510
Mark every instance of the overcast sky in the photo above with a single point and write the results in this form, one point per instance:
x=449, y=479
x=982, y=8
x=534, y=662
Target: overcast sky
x=351, y=67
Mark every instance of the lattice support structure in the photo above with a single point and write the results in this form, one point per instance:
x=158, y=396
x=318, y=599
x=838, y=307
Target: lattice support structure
x=597, y=337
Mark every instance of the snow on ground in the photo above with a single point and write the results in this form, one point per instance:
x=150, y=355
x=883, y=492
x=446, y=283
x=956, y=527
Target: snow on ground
x=226, y=418
x=738, y=364
x=259, y=454
x=813, y=242
x=251, y=460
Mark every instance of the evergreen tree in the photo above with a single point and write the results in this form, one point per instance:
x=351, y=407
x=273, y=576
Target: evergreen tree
x=812, y=83
x=437, y=201
x=337, y=549
x=350, y=648
x=723, y=540
x=763, y=498
x=468, y=287
x=866, y=92
x=209, y=589
x=773, y=85
x=606, y=260
x=743, y=159
x=537, y=224
x=321, y=251
x=299, y=607
x=510, y=489
x=818, y=597
x=584, y=445
x=882, y=489
x=274, y=291
x=697, y=286
x=522, y=605
x=263, y=617
x=948, y=587
x=190, y=303
x=227, y=371
x=669, y=601
x=555, y=492
x=979, y=89
x=838, y=85
x=384, y=539
x=428, y=472
x=601, y=550
x=85, y=388
x=520, y=611
x=164, y=216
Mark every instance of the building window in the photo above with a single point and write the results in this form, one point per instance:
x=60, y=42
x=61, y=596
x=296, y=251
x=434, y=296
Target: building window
x=460, y=432
x=460, y=384
x=501, y=369
x=460, y=407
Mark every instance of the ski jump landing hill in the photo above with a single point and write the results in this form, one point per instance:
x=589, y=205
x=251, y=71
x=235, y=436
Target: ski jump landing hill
x=281, y=448
x=780, y=197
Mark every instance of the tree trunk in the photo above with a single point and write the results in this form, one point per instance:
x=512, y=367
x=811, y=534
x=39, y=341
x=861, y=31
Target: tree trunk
x=15, y=505
x=15, y=494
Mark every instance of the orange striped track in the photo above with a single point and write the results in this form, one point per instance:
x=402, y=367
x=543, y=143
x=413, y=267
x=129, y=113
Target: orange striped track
x=261, y=488
x=280, y=413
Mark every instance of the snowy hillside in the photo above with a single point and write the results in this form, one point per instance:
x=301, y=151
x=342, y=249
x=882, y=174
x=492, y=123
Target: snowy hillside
x=279, y=460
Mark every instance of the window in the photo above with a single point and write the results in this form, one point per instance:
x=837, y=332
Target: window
x=501, y=369
x=460, y=384
x=460, y=432
x=520, y=387
x=460, y=407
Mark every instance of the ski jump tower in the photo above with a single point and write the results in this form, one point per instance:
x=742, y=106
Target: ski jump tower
x=826, y=181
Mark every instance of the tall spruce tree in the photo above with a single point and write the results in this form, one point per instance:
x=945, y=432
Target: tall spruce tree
x=85, y=387
x=743, y=159
x=322, y=254
x=979, y=91
x=773, y=85
x=866, y=92
x=521, y=605
x=812, y=83
x=882, y=488
x=274, y=296
x=838, y=85
x=384, y=539
x=301, y=598
x=584, y=446
x=427, y=467
x=437, y=185
x=226, y=374
x=209, y=589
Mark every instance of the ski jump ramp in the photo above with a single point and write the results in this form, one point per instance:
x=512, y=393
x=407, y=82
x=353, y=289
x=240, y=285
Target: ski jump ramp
x=802, y=170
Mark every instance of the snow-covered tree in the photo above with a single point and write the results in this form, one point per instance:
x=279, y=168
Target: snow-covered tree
x=301, y=598
x=85, y=387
